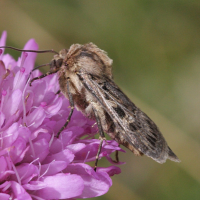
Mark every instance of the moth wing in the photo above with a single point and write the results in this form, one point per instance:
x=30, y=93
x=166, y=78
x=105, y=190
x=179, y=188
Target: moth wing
x=135, y=126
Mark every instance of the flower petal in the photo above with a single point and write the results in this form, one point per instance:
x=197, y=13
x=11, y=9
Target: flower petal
x=39, y=150
x=4, y=196
x=2, y=118
x=53, y=168
x=30, y=60
x=3, y=39
x=2, y=71
x=54, y=107
x=26, y=172
x=19, y=192
x=4, y=169
x=95, y=183
x=19, y=150
x=61, y=186
x=111, y=171
x=10, y=135
x=12, y=104
x=65, y=155
x=35, y=118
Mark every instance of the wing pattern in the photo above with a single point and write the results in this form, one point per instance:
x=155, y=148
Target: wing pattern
x=135, y=126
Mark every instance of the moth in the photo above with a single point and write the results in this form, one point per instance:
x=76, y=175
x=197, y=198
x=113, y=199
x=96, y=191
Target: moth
x=85, y=78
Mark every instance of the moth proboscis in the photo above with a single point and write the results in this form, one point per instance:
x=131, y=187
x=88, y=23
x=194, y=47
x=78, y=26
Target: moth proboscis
x=85, y=78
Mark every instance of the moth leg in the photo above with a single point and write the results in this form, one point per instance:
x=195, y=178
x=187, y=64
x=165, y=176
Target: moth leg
x=116, y=156
x=39, y=67
x=42, y=76
x=71, y=103
x=36, y=68
x=102, y=136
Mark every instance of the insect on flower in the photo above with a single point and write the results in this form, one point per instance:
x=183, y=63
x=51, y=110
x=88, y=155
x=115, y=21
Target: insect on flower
x=85, y=78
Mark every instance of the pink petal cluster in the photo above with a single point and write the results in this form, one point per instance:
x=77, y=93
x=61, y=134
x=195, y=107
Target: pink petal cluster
x=33, y=163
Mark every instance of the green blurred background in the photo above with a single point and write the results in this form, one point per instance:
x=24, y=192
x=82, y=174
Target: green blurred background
x=155, y=46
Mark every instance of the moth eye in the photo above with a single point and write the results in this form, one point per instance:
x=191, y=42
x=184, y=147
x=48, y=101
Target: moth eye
x=52, y=64
x=59, y=63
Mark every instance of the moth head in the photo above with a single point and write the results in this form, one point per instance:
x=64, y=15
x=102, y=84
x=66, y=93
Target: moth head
x=57, y=61
x=88, y=58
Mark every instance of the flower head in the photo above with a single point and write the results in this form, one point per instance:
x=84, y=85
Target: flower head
x=34, y=163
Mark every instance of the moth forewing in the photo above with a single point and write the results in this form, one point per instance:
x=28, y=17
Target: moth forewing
x=133, y=129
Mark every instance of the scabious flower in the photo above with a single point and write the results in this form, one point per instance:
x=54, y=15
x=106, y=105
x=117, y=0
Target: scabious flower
x=34, y=164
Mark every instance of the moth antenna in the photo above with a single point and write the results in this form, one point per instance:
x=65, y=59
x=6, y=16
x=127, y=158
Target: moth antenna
x=35, y=51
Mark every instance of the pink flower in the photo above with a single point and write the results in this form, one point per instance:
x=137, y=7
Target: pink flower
x=35, y=164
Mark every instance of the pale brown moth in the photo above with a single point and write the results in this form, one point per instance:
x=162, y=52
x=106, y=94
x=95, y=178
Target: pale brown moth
x=85, y=78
